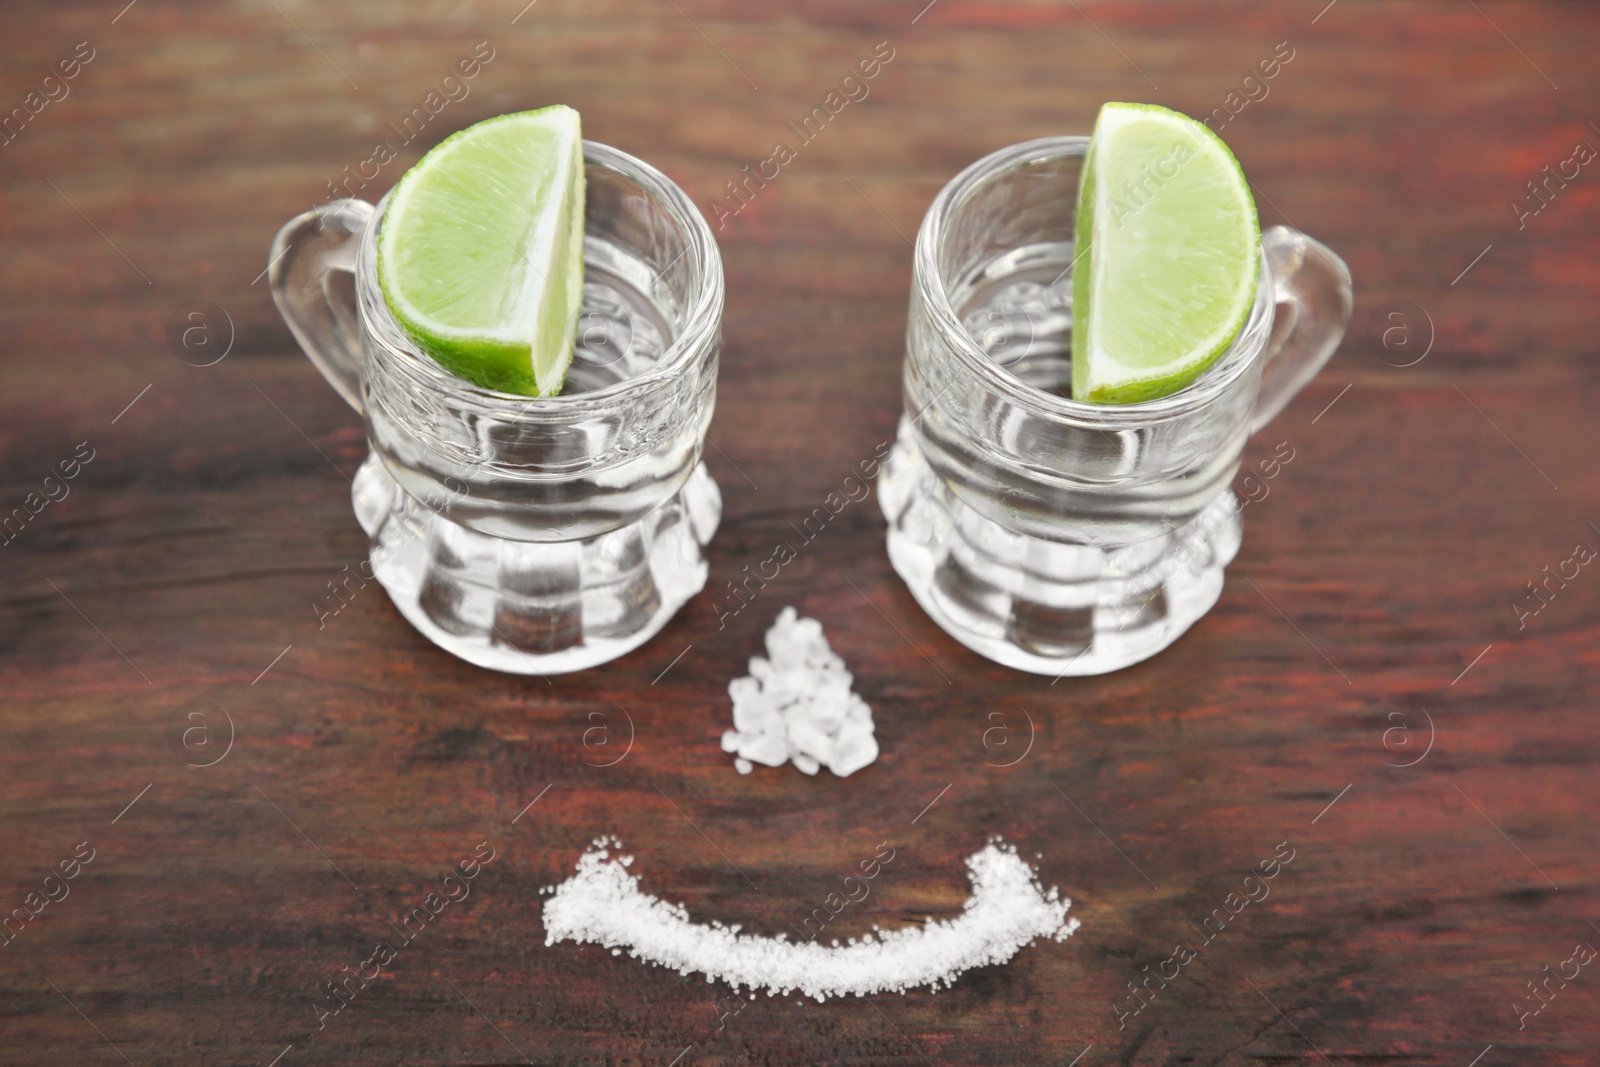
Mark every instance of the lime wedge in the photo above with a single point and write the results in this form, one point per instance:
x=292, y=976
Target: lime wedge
x=480, y=255
x=1167, y=257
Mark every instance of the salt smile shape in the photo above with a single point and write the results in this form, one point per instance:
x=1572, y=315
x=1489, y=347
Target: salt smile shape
x=1008, y=909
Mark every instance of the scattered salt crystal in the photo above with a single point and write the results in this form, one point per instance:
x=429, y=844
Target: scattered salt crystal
x=854, y=749
x=1008, y=909
x=764, y=748
x=796, y=704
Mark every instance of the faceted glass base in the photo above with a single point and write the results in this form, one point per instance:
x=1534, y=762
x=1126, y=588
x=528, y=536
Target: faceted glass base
x=536, y=608
x=1042, y=606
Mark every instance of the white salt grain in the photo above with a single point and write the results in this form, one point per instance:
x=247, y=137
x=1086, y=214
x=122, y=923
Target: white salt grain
x=796, y=704
x=1008, y=909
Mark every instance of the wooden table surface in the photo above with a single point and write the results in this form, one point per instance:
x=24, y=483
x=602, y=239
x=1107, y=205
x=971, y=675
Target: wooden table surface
x=1373, y=688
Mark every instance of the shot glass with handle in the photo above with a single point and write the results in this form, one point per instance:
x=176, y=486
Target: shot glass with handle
x=1047, y=534
x=533, y=536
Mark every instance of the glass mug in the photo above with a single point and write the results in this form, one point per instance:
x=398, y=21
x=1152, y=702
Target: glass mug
x=1050, y=535
x=533, y=536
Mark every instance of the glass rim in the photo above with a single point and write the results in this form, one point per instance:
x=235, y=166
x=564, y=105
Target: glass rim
x=931, y=285
x=689, y=347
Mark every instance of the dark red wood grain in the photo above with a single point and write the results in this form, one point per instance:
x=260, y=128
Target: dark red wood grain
x=1388, y=558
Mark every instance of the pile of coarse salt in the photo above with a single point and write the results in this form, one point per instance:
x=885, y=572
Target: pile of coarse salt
x=1008, y=909
x=797, y=705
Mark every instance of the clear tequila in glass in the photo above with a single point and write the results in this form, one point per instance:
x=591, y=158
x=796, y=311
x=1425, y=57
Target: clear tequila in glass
x=1051, y=535
x=522, y=534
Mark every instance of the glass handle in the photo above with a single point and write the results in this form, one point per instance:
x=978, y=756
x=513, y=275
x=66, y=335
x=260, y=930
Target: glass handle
x=312, y=274
x=1313, y=292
